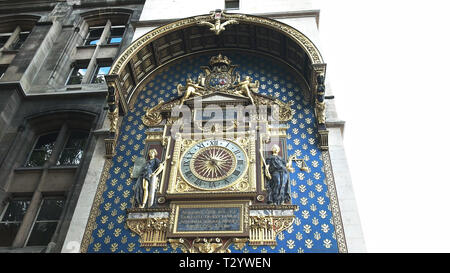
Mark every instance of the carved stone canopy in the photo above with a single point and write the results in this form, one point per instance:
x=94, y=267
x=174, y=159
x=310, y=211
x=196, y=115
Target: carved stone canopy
x=218, y=85
x=186, y=36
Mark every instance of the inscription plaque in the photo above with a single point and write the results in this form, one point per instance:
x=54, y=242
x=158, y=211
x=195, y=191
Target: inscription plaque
x=209, y=219
x=225, y=218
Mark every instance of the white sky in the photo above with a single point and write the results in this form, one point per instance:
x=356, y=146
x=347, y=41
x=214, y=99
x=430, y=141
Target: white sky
x=388, y=68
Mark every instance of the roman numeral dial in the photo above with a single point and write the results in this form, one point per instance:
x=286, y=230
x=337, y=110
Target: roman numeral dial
x=213, y=164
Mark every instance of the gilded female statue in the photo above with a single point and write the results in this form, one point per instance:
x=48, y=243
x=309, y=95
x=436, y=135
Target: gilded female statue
x=147, y=180
x=276, y=170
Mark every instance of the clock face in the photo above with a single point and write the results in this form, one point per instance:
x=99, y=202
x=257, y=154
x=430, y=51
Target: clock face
x=213, y=164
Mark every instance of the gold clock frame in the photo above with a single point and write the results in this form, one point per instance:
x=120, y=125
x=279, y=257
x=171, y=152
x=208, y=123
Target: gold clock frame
x=216, y=189
x=246, y=184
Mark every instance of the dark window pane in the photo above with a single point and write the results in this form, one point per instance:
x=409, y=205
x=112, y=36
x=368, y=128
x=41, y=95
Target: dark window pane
x=42, y=150
x=37, y=159
x=2, y=69
x=117, y=31
x=11, y=220
x=8, y=232
x=230, y=4
x=77, y=139
x=50, y=209
x=16, y=211
x=22, y=37
x=42, y=233
x=46, y=142
x=4, y=38
x=73, y=151
x=77, y=75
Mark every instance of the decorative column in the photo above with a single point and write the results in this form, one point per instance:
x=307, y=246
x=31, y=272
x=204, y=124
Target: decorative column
x=320, y=107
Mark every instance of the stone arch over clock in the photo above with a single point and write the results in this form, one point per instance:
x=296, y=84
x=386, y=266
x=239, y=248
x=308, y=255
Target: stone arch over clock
x=144, y=87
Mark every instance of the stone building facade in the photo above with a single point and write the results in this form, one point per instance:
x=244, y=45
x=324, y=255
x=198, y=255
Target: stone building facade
x=52, y=97
x=75, y=76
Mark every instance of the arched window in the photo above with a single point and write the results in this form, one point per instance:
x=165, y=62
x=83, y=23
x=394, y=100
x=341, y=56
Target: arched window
x=71, y=154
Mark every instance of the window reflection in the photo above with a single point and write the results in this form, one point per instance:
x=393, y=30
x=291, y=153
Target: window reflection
x=99, y=76
x=116, y=34
x=73, y=150
x=11, y=219
x=42, y=150
x=94, y=35
x=46, y=222
x=77, y=75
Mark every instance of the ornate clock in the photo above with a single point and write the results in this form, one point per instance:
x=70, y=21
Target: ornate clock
x=212, y=190
x=213, y=164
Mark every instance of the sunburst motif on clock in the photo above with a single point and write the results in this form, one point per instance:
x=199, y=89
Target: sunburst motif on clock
x=213, y=164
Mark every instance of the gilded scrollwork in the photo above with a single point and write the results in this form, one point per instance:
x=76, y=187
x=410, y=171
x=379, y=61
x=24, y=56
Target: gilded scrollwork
x=151, y=231
x=264, y=229
x=203, y=245
x=218, y=26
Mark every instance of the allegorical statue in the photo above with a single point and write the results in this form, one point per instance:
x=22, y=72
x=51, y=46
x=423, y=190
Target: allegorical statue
x=276, y=169
x=246, y=87
x=146, y=173
x=320, y=112
x=189, y=90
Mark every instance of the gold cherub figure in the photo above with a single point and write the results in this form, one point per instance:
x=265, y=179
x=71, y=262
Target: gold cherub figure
x=189, y=90
x=246, y=87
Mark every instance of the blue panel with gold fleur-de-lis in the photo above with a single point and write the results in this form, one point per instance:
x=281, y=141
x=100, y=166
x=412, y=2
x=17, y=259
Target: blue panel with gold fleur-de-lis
x=312, y=230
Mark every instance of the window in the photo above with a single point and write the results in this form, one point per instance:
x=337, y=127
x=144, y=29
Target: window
x=116, y=34
x=42, y=150
x=70, y=155
x=3, y=70
x=231, y=4
x=4, y=37
x=11, y=219
x=46, y=221
x=20, y=40
x=74, y=148
x=94, y=35
x=15, y=41
x=77, y=74
x=100, y=72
